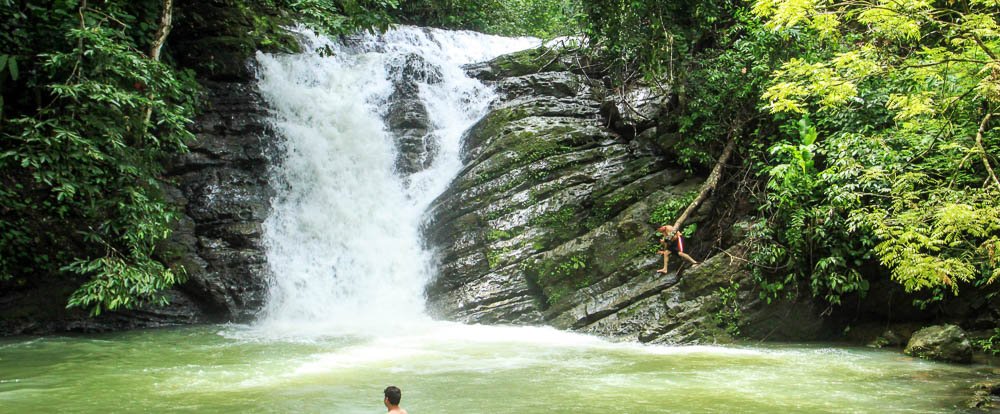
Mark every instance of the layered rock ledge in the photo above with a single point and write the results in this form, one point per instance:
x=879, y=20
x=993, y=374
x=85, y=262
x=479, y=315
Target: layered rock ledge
x=550, y=220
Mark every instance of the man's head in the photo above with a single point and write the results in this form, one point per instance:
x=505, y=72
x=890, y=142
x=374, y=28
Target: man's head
x=665, y=229
x=392, y=396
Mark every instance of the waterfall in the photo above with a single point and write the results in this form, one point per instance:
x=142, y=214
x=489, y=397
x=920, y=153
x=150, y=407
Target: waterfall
x=343, y=241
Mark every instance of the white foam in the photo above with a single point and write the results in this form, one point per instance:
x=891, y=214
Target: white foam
x=343, y=241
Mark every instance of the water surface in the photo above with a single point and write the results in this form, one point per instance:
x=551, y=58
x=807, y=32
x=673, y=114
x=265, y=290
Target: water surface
x=449, y=368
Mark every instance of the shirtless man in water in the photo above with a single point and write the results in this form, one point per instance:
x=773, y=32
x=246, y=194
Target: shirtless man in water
x=672, y=242
x=392, y=397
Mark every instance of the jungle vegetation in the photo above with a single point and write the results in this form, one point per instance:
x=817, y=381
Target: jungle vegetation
x=868, y=124
x=864, y=128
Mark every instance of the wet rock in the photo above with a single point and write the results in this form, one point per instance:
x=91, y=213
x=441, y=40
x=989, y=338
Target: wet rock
x=889, y=338
x=549, y=221
x=224, y=193
x=941, y=342
x=526, y=62
x=986, y=395
x=407, y=116
x=544, y=176
x=633, y=109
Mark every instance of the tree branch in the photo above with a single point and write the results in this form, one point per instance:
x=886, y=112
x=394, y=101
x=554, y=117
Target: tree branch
x=985, y=49
x=982, y=150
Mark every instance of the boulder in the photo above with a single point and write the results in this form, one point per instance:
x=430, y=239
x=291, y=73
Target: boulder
x=940, y=342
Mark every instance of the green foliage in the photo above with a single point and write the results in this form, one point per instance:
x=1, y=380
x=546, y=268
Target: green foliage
x=990, y=345
x=729, y=314
x=560, y=219
x=648, y=35
x=806, y=236
x=908, y=92
x=559, y=277
x=497, y=234
x=669, y=210
x=721, y=87
x=540, y=18
x=871, y=123
x=715, y=55
x=343, y=16
x=79, y=161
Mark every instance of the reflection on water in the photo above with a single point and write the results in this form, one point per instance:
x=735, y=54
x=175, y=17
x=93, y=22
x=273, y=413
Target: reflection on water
x=451, y=368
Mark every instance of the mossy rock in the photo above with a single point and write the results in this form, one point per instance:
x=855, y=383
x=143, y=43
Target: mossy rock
x=527, y=62
x=942, y=343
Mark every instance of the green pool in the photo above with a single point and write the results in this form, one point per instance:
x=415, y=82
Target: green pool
x=451, y=368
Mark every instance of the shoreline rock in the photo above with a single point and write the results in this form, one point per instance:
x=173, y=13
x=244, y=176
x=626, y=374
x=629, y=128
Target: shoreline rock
x=946, y=343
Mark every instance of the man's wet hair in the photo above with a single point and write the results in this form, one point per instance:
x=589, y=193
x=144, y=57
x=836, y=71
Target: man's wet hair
x=393, y=394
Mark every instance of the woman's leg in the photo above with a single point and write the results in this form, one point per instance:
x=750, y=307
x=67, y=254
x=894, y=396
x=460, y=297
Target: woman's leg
x=686, y=257
x=666, y=259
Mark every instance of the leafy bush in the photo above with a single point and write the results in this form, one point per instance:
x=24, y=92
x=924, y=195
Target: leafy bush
x=540, y=18
x=908, y=92
x=85, y=127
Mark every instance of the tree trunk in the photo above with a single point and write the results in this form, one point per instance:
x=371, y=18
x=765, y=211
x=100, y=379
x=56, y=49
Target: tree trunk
x=711, y=182
x=163, y=30
x=158, y=41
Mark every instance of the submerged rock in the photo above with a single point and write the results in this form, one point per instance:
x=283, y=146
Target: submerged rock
x=889, y=338
x=941, y=342
x=986, y=395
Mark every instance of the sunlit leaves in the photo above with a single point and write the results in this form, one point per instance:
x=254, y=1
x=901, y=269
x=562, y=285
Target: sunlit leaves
x=827, y=26
x=827, y=84
x=926, y=241
x=911, y=106
x=979, y=24
x=989, y=85
x=784, y=14
x=899, y=20
x=924, y=192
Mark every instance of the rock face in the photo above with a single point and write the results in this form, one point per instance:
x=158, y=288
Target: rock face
x=222, y=185
x=941, y=342
x=550, y=220
x=224, y=193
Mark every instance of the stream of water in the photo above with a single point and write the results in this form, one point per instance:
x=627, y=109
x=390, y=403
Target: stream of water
x=345, y=315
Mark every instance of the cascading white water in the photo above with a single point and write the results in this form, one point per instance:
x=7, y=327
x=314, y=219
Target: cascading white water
x=342, y=240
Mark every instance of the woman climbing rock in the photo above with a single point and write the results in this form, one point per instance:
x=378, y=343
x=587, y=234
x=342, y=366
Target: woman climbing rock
x=672, y=242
